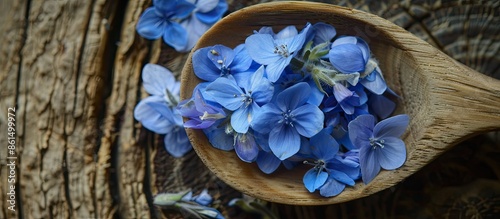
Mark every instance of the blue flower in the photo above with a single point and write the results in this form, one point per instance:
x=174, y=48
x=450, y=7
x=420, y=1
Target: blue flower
x=349, y=54
x=343, y=170
x=201, y=114
x=161, y=20
x=289, y=118
x=174, y=21
x=276, y=51
x=380, y=145
x=216, y=61
x=323, y=150
x=158, y=113
x=243, y=99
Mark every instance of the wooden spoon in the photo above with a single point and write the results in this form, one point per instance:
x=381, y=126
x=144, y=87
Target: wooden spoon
x=447, y=102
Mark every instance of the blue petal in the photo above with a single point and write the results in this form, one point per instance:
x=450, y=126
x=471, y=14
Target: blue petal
x=177, y=142
x=347, y=58
x=323, y=145
x=240, y=119
x=150, y=25
x=154, y=114
x=381, y=105
x=391, y=127
x=206, y=5
x=212, y=16
x=331, y=188
x=275, y=69
x=242, y=60
x=360, y=130
x=369, y=164
x=261, y=87
x=261, y=48
x=298, y=41
x=267, y=162
x=203, y=198
x=156, y=79
x=377, y=86
x=293, y=96
x=341, y=92
x=316, y=95
x=204, y=68
x=345, y=40
x=176, y=36
x=393, y=155
x=164, y=6
x=313, y=179
x=284, y=141
x=194, y=29
x=223, y=56
x=246, y=148
x=182, y=9
x=308, y=120
x=226, y=92
x=219, y=139
x=323, y=33
x=266, y=118
x=341, y=177
x=287, y=32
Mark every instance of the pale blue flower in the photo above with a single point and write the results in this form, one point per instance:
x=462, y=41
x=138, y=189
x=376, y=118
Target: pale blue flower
x=161, y=20
x=243, y=99
x=158, y=113
x=323, y=150
x=220, y=61
x=288, y=118
x=181, y=23
x=276, y=51
x=380, y=145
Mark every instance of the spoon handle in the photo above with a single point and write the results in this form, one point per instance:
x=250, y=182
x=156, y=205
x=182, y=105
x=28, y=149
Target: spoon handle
x=464, y=102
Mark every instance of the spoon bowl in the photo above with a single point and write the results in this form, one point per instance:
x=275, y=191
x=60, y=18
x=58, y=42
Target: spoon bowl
x=447, y=102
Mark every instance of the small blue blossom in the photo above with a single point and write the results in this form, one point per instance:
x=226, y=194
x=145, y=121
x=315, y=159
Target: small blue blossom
x=323, y=150
x=220, y=61
x=380, y=145
x=349, y=54
x=343, y=169
x=243, y=99
x=201, y=113
x=277, y=51
x=289, y=118
x=174, y=21
x=158, y=113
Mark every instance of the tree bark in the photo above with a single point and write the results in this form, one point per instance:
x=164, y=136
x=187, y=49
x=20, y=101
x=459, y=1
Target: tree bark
x=72, y=70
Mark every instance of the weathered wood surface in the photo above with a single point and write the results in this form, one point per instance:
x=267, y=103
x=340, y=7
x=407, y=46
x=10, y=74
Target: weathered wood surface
x=72, y=69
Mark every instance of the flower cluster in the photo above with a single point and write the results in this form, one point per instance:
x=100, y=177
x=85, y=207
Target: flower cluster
x=196, y=206
x=299, y=97
x=180, y=22
x=158, y=111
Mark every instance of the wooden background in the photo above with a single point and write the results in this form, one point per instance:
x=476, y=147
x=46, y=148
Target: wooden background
x=72, y=70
